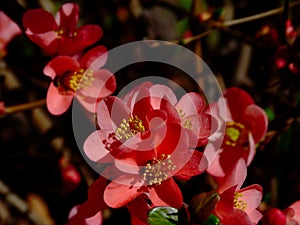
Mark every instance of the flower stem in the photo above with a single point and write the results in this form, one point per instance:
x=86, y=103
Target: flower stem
x=25, y=106
x=228, y=23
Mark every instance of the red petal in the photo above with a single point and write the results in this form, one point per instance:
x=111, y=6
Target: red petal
x=256, y=119
x=191, y=103
x=67, y=16
x=103, y=85
x=234, y=177
x=38, y=21
x=111, y=112
x=60, y=65
x=122, y=191
x=274, y=216
x=195, y=166
x=166, y=194
x=47, y=41
x=94, y=146
x=296, y=208
x=138, y=209
x=159, y=92
x=95, y=58
x=238, y=100
x=56, y=103
x=252, y=195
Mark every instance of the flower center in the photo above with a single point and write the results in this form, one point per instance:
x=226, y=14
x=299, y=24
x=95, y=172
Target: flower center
x=129, y=127
x=186, y=123
x=157, y=170
x=64, y=32
x=74, y=81
x=239, y=203
x=236, y=134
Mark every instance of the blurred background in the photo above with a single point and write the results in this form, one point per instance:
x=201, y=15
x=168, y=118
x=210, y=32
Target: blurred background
x=41, y=168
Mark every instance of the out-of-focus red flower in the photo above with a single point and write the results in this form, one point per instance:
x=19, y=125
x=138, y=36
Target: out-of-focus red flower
x=70, y=174
x=59, y=35
x=8, y=30
x=2, y=108
x=246, y=124
x=83, y=79
x=238, y=206
x=90, y=212
x=144, y=135
x=268, y=34
x=289, y=216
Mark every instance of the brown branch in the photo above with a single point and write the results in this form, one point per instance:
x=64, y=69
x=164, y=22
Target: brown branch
x=25, y=106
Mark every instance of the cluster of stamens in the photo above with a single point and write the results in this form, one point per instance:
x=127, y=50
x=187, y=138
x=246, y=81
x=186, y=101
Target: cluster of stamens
x=187, y=123
x=61, y=32
x=233, y=133
x=129, y=128
x=158, y=170
x=238, y=203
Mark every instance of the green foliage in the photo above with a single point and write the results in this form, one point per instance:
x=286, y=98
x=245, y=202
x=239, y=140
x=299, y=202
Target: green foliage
x=163, y=216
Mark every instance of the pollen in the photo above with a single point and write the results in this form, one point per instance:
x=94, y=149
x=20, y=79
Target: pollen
x=158, y=170
x=235, y=134
x=74, y=81
x=186, y=123
x=129, y=127
x=239, y=203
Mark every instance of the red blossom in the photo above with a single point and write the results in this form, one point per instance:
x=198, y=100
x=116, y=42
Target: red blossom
x=236, y=205
x=83, y=79
x=8, y=30
x=245, y=125
x=89, y=213
x=144, y=136
x=59, y=35
x=289, y=216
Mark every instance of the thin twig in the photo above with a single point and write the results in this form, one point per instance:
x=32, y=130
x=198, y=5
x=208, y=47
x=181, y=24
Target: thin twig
x=228, y=23
x=25, y=106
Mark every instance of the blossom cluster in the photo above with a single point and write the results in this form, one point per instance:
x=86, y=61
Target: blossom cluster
x=149, y=140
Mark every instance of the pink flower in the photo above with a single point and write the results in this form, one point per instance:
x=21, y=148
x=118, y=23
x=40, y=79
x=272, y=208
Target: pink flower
x=245, y=125
x=8, y=30
x=289, y=216
x=59, y=35
x=238, y=206
x=143, y=135
x=81, y=78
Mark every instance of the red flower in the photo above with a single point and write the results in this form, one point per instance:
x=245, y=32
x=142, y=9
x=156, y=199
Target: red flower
x=143, y=135
x=238, y=206
x=89, y=213
x=59, y=35
x=82, y=78
x=246, y=124
x=8, y=30
x=289, y=216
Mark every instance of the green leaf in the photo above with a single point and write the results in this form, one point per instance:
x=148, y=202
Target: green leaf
x=270, y=114
x=212, y=220
x=163, y=216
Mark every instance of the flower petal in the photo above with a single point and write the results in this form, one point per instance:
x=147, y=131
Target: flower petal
x=122, y=190
x=166, y=194
x=111, y=112
x=60, y=65
x=159, y=92
x=256, y=119
x=95, y=146
x=234, y=177
x=67, y=16
x=103, y=85
x=95, y=58
x=252, y=195
x=56, y=103
x=38, y=21
x=238, y=100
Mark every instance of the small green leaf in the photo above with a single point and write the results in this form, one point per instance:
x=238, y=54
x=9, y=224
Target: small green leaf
x=212, y=220
x=270, y=113
x=163, y=216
